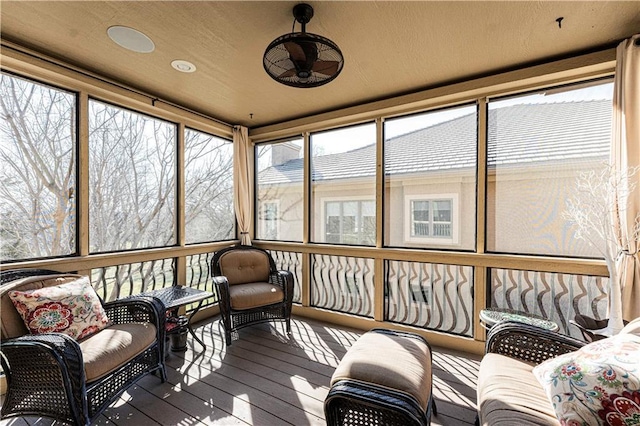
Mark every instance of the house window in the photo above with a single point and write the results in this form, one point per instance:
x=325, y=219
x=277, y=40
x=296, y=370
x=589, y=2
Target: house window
x=431, y=218
x=269, y=220
x=350, y=222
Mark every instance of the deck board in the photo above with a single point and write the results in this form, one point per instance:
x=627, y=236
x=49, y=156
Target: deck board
x=267, y=378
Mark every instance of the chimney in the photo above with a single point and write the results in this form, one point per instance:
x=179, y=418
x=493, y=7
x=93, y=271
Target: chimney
x=283, y=152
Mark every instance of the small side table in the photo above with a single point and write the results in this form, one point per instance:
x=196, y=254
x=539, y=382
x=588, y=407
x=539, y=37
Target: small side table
x=176, y=296
x=491, y=316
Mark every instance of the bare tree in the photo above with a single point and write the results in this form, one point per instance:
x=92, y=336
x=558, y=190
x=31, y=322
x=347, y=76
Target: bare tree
x=37, y=190
x=597, y=199
x=132, y=174
x=209, y=214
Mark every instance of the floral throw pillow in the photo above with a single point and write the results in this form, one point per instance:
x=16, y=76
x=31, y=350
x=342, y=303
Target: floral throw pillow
x=599, y=384
x=72, y=308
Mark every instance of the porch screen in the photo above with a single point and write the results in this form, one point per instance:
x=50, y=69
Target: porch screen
x=538, y=145
x=132, y=179
x=208, y=182
x=343, y=190
x=38, y=193
x=430, y=179
x=279, y=190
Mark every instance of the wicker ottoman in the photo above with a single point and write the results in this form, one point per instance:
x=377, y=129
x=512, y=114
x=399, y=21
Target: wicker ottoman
x=384, y=379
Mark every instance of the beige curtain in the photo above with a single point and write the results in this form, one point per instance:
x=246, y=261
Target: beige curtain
x=625, y=156
x=242, y=183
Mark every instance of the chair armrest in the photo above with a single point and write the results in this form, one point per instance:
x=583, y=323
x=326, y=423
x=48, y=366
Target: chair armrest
x=283, y=279
x=138, y=309
x=45, y=367
x=222, y=286
x=528, y=342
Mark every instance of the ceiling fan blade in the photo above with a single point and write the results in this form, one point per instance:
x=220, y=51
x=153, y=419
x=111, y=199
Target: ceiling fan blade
x=288, y=73
x=326, y=67
x=296, y=52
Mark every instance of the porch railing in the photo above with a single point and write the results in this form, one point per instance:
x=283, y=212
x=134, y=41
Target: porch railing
x=118, y=281
x=558, y=297
x=420, y=294
x=292, y=262
x=342, y=283
x=432, y=296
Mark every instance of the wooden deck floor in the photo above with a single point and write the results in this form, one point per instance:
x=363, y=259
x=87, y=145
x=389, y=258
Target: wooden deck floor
x=267, y=379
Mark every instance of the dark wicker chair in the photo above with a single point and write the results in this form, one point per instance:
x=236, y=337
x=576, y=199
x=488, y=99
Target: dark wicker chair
x=250, y=288
x=523, y=342
x=45, y=373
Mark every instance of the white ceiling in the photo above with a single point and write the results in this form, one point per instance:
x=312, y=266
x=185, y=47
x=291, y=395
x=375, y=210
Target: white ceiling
x=390, y=47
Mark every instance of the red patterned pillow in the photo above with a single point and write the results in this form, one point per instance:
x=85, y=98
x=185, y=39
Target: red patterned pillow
x=599, y=384
x=72, y=308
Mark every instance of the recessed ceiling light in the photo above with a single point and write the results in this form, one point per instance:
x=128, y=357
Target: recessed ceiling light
x=131, y=39
x=183, y=66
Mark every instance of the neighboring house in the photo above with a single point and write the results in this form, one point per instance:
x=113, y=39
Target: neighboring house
x=535, y=152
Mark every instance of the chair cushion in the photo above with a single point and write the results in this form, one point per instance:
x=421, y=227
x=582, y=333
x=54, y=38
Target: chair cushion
x=509, y=394
x=598, y=383
x=253, y=295
x=114, y=346
x=396, y=362
x=245, y=266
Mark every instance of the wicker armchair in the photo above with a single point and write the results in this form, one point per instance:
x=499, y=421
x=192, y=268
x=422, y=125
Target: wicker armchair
x=250, y=288
x=48, y=374
x=507, y=390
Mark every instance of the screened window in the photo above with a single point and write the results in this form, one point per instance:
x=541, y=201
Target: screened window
x=208, y=170
x=279, y=190
x=430, y=165
x=132, y=169
x=538, y=145
x=38, y=192
x=343, y=167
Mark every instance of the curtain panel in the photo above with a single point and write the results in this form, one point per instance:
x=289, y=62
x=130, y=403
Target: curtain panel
x=242, y=183
x=625, y=157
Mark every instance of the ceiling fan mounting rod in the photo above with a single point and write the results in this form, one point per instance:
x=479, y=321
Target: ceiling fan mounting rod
x=303, y=13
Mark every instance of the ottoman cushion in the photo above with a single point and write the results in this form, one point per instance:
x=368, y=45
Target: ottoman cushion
x=396, y=362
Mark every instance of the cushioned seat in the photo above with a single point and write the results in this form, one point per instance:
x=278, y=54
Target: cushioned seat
x=384, y=378
x=508, y=390
x=115, y=346
x=253, y=295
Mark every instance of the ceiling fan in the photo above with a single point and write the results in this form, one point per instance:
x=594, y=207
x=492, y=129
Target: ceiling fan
x=303, y=59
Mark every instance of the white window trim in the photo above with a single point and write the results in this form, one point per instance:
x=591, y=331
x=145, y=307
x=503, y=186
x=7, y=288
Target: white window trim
x=263, y=222
x=455, y=219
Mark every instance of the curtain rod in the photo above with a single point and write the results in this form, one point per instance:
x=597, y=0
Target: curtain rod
x=57, y=62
